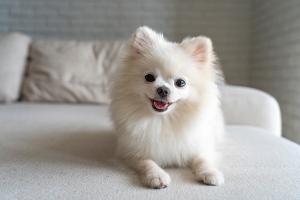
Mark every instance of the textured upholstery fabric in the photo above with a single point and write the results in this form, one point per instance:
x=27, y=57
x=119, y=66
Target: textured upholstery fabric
x=248, y=106
x=70, y=71
x=13, y=56
x=61, y=151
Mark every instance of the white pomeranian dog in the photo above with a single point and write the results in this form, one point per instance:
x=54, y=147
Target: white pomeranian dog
x=165, y=108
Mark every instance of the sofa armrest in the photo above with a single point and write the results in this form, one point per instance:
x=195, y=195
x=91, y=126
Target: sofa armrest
x=248, y=106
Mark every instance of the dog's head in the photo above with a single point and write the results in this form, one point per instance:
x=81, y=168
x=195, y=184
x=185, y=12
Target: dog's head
x=166, y=75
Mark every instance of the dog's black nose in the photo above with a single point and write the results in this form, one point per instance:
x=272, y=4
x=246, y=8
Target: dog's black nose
x=163, y=91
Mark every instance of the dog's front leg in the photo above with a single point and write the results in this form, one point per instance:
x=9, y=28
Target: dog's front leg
x=205, y=170
x=150, y=173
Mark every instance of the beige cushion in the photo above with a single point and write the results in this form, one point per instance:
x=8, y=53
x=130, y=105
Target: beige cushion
x=13, y=56
x=70, y=71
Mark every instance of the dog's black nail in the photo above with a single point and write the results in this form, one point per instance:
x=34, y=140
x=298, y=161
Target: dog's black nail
x=163, y=187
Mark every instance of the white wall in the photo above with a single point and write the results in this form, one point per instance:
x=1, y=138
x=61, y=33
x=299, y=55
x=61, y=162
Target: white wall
x=226, y=22
x=275, y=57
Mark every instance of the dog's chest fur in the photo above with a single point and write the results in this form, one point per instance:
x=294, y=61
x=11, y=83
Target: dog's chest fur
x=166, y=142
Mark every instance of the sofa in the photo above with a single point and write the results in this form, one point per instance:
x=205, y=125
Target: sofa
x=57, y=142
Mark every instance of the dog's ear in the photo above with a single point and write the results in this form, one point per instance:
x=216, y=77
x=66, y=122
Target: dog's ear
x=144, y=39
x=200, y=48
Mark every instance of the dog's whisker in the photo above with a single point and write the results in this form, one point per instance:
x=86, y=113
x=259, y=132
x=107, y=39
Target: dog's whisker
x=150, y=69
x=122, y=96
x=196, y=114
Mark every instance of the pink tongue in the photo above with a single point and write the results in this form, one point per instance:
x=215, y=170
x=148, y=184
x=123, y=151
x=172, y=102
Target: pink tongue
x=160, y=105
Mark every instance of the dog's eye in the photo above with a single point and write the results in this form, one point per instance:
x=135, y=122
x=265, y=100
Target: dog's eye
x=150, y=78
x=180, y=83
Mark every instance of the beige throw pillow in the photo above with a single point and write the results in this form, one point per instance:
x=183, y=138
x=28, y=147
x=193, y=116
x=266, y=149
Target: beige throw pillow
x=13, y=57
x=69, y=71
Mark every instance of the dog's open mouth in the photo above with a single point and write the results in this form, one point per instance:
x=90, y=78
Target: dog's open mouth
x=160, y=105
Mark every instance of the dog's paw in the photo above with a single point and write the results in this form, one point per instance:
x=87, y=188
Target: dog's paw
x=156, y=178
x=210, y=176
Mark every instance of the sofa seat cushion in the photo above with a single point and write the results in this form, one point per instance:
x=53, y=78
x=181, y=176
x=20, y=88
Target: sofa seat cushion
x=70, y=71
x=66, y=152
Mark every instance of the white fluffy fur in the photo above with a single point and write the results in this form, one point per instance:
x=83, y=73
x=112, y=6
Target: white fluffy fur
x=185, y=134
